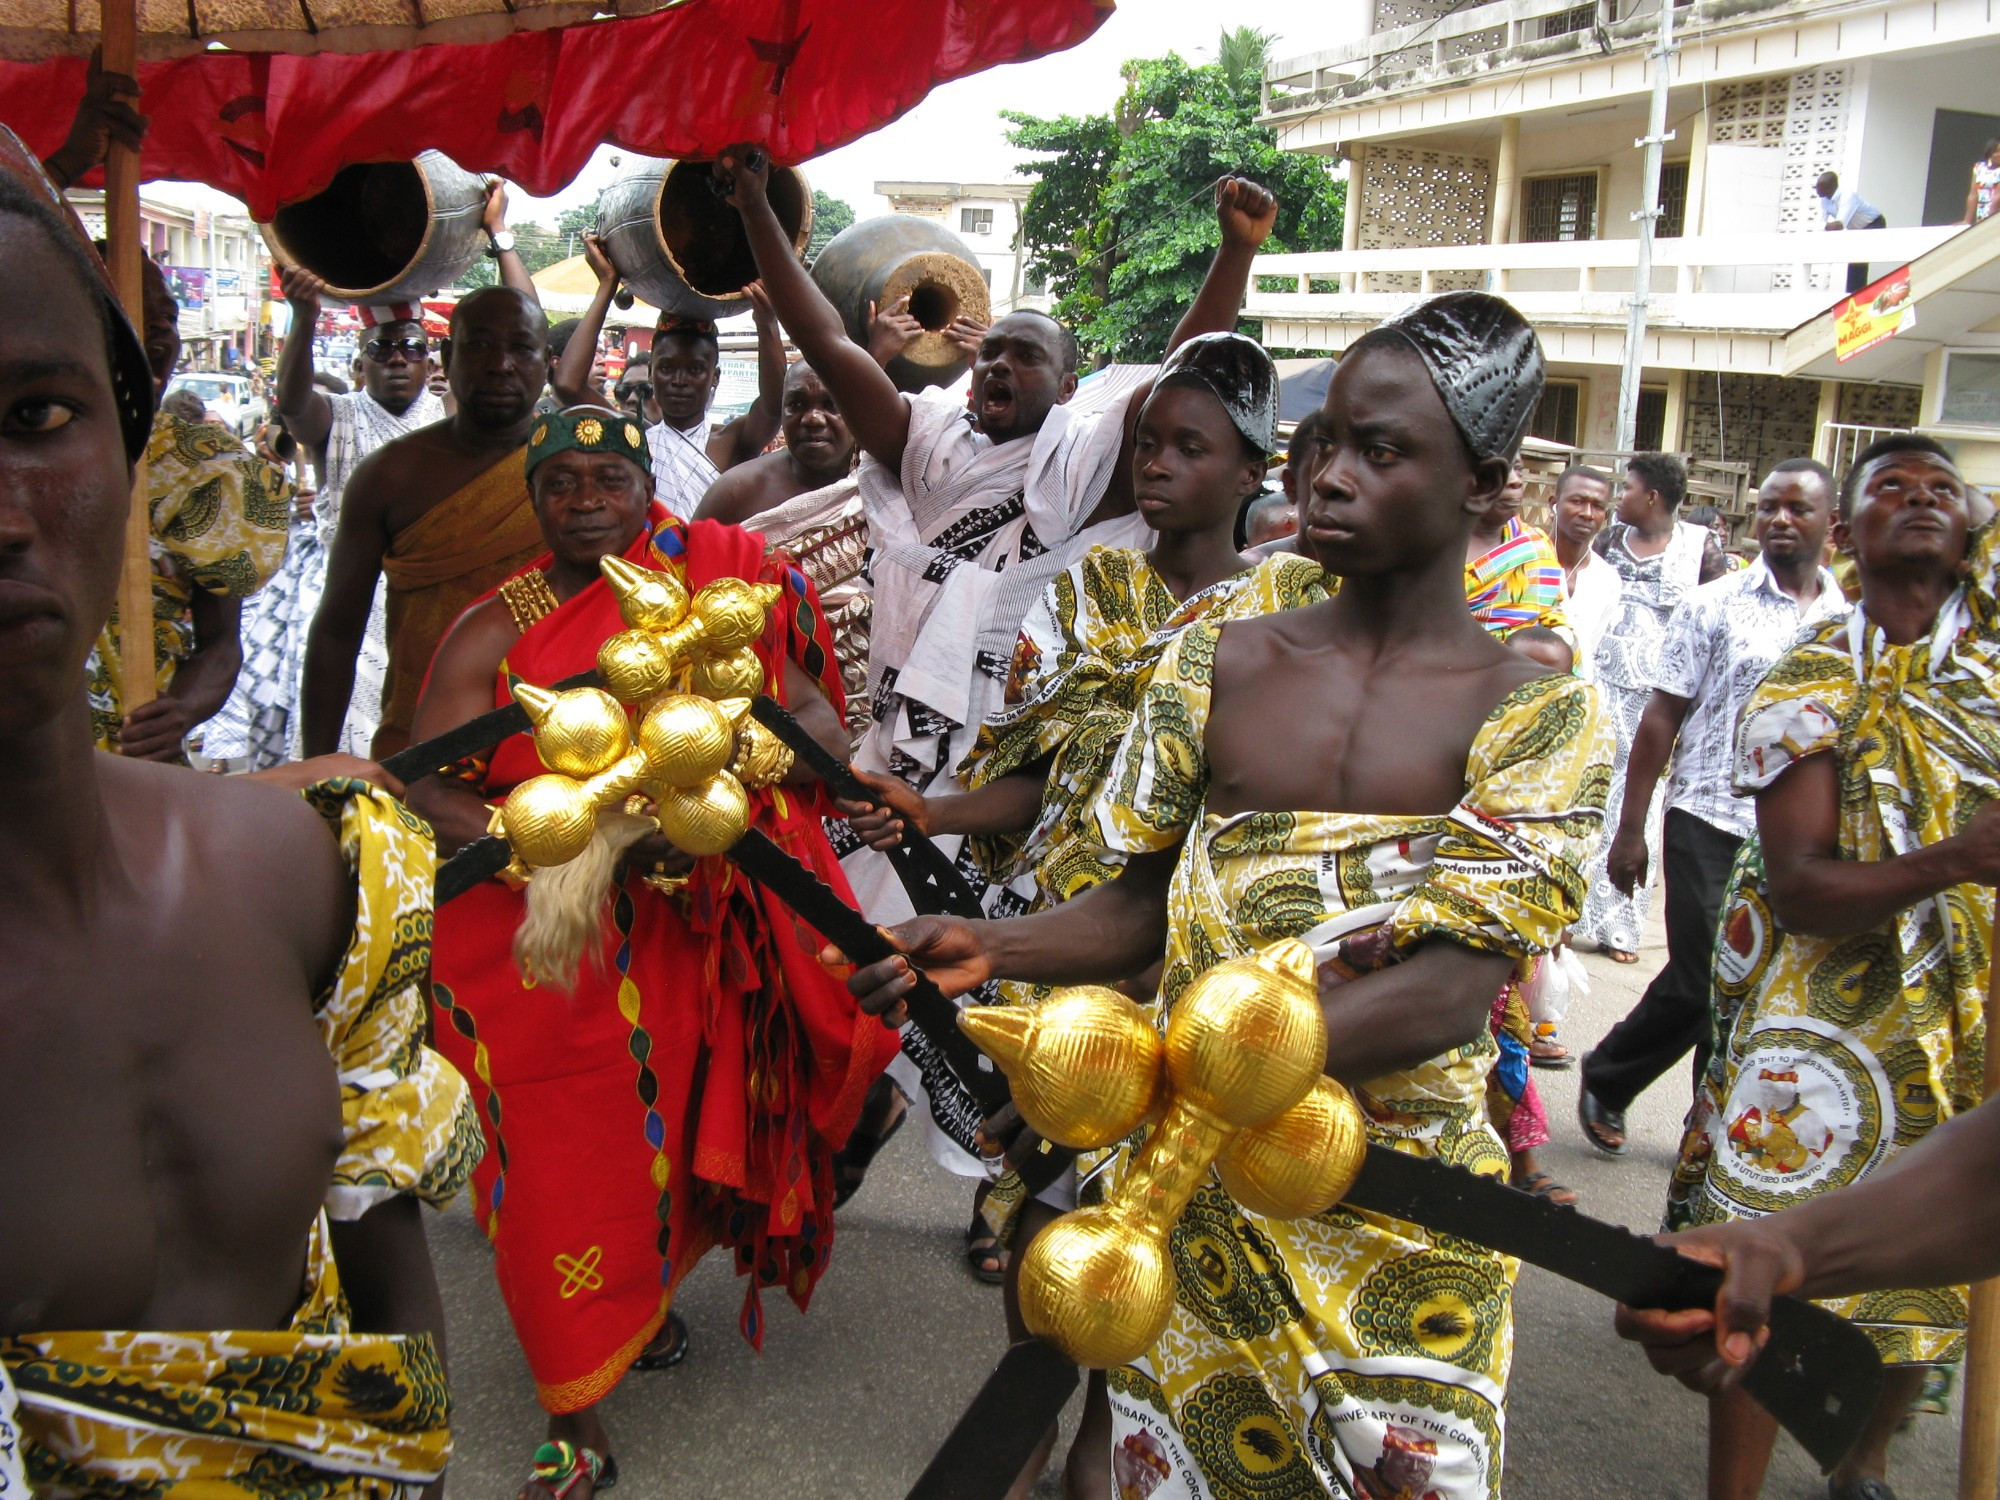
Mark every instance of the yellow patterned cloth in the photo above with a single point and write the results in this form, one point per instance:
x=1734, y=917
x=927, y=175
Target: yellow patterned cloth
x=1084, y=653
x=312, y=1409
x=1347, y=1353
x=221, y=517
x=1833, y=1054
x=408, y=1115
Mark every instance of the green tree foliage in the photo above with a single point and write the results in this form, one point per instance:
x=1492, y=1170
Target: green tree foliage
x=830, y=216
x=1121, y=217
x=538, y=246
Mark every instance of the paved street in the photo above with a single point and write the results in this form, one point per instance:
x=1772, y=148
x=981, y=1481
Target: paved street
x=852, y=1400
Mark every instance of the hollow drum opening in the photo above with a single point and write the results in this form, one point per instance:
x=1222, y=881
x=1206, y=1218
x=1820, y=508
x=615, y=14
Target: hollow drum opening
x=704, y=236
x=933, y=304
x=363, y=230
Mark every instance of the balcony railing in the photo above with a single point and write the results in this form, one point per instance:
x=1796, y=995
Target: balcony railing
x=1734, y=281
x=1482, y=37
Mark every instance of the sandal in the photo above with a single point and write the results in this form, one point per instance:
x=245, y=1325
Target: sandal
x=1544, y=1050
x=851, y=1161
x=1620, y=956
x=658, y=1356
x=1603, y=1126
x=983, y=1253
x=560, y=1467
x=1541, y=1185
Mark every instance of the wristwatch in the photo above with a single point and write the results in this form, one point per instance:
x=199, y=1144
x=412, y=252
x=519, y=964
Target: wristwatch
x=499, y=244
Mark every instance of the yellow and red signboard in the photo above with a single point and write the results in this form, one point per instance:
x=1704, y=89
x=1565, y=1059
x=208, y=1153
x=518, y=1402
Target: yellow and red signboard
x=1879, y=311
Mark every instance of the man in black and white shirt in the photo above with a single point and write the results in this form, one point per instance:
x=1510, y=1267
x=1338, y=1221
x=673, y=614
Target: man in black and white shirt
x=1720, y=642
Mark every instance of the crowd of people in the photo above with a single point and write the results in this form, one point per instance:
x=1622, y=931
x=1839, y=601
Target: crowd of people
x=1053, y=639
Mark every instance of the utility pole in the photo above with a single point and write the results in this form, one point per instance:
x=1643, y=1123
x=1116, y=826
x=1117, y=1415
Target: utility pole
x=1648, y=215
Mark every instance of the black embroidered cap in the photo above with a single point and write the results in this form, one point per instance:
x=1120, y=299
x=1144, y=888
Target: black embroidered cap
x=1484, y=360
x=1239, y=374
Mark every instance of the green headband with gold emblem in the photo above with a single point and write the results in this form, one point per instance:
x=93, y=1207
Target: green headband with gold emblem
x=588, y=429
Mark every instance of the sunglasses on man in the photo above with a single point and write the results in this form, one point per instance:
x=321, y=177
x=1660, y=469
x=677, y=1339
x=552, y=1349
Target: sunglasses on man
x=384, y=350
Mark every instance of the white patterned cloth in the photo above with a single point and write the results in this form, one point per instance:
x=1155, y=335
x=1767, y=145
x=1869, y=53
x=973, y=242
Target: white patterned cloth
x=682, y=469
x=962, y=543
x=1590, y=602
x=1720, y=643
x=261, y=721
x=1625, y=664
x=13, y=1482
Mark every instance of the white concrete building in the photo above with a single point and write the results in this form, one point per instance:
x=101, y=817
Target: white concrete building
x=1494, y=146
x=987, y=216
x=215, y=263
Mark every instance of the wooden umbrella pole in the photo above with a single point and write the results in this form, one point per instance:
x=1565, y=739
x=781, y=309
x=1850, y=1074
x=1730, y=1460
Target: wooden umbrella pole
x=1979, y=1419
x=121, y=232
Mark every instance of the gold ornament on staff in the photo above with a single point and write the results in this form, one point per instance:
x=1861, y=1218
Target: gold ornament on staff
x=1236, y=1084
x=688, y=665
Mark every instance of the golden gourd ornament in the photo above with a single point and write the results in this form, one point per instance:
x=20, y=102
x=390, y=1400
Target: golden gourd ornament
x=733, y=674
x=1238, y=1079
x=706, y=818
x=577, y=734
x=1085, y=1064
x=682, y=748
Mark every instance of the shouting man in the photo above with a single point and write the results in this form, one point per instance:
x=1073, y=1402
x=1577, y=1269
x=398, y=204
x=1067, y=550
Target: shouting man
x=971, y=514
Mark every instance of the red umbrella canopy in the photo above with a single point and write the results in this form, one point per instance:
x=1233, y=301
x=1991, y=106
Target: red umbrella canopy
x=801, y=76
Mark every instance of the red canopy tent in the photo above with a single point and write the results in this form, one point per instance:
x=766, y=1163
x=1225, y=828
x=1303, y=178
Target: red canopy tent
x=268, y=99
x=802, y=76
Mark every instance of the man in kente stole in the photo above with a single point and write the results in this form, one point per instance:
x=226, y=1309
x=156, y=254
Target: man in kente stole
x=441, y=515
x=1343, y=1354
x=214, y=1278
x=1852, y=956
x=673, y=1069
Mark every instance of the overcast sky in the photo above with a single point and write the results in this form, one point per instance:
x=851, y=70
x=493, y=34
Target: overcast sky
x=956, y=135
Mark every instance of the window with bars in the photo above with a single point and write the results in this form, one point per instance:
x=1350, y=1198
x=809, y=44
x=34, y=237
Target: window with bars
x=1649, y=431
x=1559, y=208
x=1672, y=223
x=975, y=221
x=1563, y=22
x=1558, y=415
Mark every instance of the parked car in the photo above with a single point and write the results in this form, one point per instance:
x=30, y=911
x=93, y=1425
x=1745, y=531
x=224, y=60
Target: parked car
x=228, y=398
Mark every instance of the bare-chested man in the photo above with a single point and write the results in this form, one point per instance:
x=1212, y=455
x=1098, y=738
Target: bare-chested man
x=443, y=513
x=818, y=451
x=1452, y=786
x=174, y=1133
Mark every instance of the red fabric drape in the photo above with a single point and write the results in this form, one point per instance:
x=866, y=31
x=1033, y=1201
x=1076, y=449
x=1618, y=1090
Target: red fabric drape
x=691, y=1091
x=803, y=76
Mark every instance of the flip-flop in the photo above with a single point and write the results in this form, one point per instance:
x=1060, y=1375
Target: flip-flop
x=984, y=1254
x=653, y=1357
x=1541, y=1185
x=1594, y=1115
x=1544, y=1051
x=1621, y=956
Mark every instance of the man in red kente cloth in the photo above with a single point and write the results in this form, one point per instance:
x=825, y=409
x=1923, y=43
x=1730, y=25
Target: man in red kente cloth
x=689, y=1091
